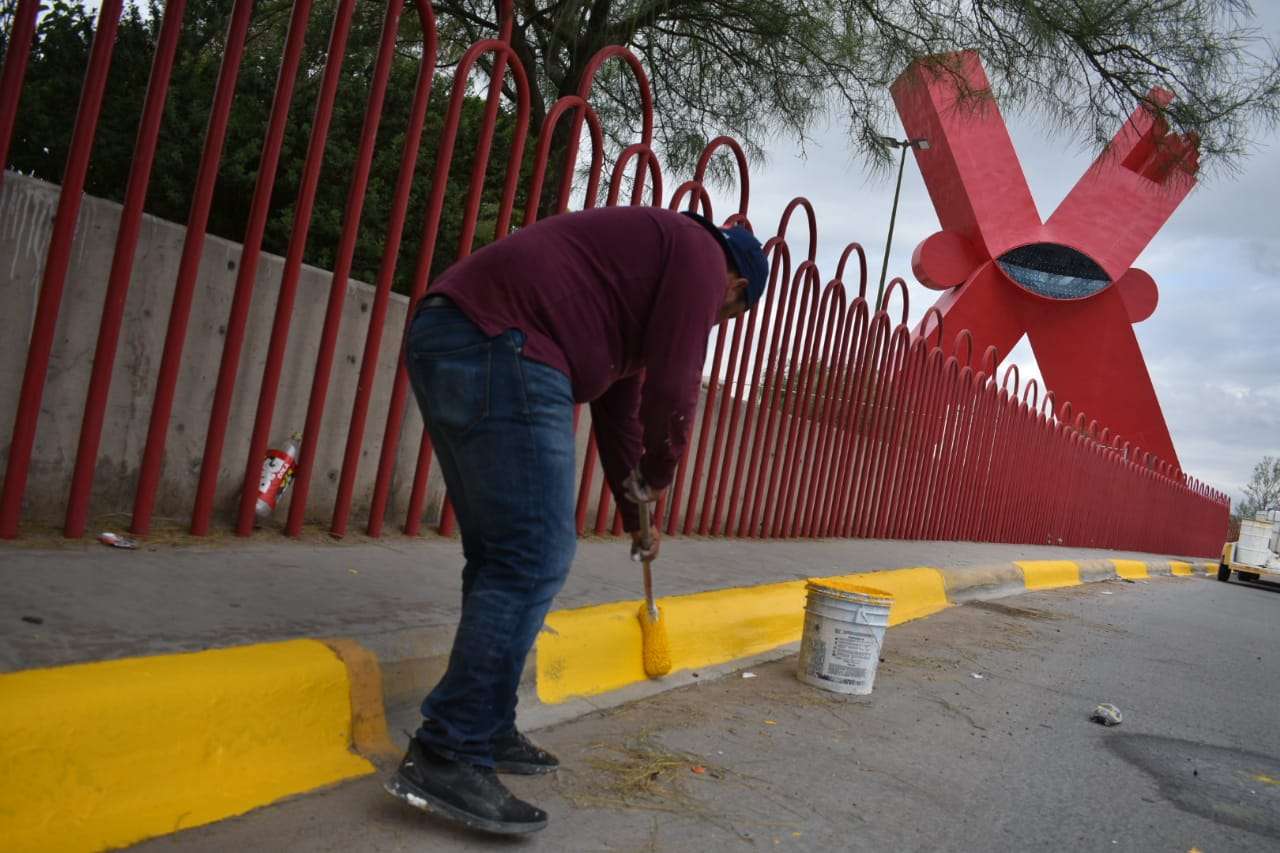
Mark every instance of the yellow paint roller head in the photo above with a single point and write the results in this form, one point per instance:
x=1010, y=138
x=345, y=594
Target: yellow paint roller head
x=656, y=651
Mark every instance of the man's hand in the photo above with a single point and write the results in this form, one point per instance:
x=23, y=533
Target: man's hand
x=646, y=540
x=645, y=546
x=638, y=491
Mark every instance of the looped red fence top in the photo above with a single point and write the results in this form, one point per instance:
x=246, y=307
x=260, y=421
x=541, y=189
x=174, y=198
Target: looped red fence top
x=1032, y=385
x=642, y=81
x=698, y=197
x=785, y=220
x=862, y=267
x=648, y=162
x=739, y=157
x=901, y=286
x=967, y=337
x=558, y=110
x=819, y=416
x=1004, y=383
x=934, y=315
x=1049, y=407
x=989, y=363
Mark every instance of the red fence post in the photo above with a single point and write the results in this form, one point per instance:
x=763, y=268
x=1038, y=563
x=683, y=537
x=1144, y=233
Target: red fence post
x=21, y=35
x=104, y=354
x=57, y=260
x=386, y=273
x=251, y=251
x=342, y=269
x=188, y=268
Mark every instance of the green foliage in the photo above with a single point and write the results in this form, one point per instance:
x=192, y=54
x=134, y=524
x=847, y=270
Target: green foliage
x=56, y=71
x=1263, y=491
x=754, y=69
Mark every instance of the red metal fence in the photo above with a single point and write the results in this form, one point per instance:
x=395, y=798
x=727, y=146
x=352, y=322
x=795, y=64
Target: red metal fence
x=822, y=418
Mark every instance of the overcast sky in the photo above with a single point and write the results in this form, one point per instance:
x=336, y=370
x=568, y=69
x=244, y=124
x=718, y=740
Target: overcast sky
x=1213, y=344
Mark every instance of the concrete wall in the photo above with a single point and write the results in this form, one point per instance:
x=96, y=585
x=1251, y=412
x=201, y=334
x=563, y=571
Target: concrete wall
x=27, y=208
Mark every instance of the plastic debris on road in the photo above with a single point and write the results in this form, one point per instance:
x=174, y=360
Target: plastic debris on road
x=1107, y=715
x=115, y=540
x=977, y=676
x=748, y=675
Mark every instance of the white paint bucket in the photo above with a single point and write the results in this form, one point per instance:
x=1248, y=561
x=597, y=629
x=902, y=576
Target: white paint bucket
x=1252, y=548
x=843, y=633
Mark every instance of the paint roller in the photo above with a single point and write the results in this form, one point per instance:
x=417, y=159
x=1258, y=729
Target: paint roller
x=655, y=649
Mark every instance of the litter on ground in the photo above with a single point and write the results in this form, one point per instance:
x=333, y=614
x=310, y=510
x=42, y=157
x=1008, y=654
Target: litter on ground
x=1106, y=714
x=115, y=540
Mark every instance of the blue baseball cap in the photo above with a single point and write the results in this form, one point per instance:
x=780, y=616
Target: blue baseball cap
x=744, y=251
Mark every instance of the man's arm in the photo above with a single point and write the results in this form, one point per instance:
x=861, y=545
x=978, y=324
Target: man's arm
x=675, y=347
x=615, y=419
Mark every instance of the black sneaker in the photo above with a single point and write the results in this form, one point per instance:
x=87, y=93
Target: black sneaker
x=467, y=793
x=515, y=753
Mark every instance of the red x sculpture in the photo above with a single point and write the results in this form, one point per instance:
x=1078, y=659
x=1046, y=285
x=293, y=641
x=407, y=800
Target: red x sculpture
x=1066, y=283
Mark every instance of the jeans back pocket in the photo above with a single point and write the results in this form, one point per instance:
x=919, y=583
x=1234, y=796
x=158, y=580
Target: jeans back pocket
x=453, y=388
x=449, y=363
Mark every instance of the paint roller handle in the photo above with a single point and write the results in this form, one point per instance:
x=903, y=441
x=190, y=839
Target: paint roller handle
x=646, y=543
x=646, y=529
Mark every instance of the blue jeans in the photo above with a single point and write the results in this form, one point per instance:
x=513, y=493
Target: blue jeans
x=502, y=428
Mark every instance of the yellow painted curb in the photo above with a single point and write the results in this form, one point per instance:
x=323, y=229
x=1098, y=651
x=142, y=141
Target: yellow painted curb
x=917, y=592
x=592, y=650
x=1181, y=569
x=368, y=718
x=106, y=754
x=1131, y=569
x=1049, y=574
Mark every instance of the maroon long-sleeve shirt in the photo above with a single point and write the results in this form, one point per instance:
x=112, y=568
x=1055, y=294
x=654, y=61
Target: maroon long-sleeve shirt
x=622, y=301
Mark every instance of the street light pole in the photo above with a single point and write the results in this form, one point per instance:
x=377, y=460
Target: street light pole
x=904, y=144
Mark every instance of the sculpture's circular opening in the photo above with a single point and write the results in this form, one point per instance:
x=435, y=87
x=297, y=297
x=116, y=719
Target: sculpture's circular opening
x=1054, y=271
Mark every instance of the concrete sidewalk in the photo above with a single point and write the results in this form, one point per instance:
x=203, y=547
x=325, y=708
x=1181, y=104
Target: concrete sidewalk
x=261, y=669
x=100, y=603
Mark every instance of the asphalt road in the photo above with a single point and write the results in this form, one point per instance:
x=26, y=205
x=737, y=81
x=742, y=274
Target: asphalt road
x=977, y=738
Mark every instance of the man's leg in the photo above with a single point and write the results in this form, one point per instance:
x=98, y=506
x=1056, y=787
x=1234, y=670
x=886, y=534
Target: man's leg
x=514, y=467
x=502, y=429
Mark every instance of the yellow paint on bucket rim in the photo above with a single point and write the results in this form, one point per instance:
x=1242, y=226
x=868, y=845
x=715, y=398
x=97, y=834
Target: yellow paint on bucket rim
x=842, y=588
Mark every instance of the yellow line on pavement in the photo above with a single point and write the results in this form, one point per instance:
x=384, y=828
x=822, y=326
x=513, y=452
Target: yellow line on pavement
x=1049, y=574
x=106, y=754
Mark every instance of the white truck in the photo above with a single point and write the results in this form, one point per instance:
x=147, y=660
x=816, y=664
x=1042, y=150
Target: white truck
x=1257, y=552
